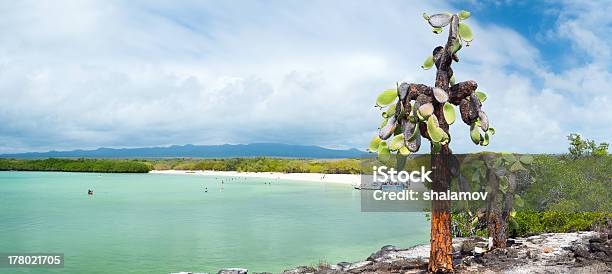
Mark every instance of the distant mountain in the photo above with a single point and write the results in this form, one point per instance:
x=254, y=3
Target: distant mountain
x=197, y=151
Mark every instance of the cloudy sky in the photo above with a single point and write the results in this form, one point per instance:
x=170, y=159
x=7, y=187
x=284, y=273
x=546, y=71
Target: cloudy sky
x=86, y=74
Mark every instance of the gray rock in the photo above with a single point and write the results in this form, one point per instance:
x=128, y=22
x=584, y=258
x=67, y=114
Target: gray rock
x=358, y=265
x=597, y=247
x=382, y=252
x=597, y=240
x=300, y=270
x=468, y=246
x=233, y=271
x=479, y=250
x=531, y=254
x=512, y=253
x=343, y=265
x=581, y=251
x=468, y=260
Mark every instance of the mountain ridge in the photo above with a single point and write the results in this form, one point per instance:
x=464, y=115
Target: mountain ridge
x=200, y=151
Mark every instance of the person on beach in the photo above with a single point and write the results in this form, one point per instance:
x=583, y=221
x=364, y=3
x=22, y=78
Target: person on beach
x=89, y=192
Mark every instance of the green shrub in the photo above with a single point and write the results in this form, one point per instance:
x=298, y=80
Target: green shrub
x=527, y=223
x=531, y=222
x=566, y=184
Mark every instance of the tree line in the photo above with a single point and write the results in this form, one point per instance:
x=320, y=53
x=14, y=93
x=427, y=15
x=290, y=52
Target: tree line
x=76, y=165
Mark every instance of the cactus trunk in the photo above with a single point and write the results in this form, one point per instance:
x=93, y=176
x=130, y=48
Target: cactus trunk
x=441, y=252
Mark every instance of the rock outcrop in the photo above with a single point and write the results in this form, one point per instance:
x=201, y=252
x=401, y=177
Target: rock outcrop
x=581, y=252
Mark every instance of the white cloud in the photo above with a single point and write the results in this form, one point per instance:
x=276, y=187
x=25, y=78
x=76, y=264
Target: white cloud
x=83, y=74
x=586, y=24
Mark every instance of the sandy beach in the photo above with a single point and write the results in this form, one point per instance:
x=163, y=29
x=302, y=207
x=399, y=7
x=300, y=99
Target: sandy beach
x=347, y=179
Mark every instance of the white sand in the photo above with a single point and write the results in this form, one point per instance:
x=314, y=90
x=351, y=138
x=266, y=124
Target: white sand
x=347, y=179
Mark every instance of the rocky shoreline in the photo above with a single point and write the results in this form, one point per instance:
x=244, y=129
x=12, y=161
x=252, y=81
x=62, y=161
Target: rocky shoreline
x=578, y=252
x=581, y=252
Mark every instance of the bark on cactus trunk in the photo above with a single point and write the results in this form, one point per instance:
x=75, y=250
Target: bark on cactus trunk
x=441, y=252
x=497, y=230
x=496, y=224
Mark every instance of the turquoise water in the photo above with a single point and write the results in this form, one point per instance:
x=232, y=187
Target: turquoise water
x=153, y=223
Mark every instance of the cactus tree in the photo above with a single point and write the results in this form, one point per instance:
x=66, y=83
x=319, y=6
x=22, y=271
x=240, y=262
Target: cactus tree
x=418, y=111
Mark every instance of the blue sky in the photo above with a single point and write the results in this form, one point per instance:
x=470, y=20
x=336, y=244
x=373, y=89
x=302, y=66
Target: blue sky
x=86, y=74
